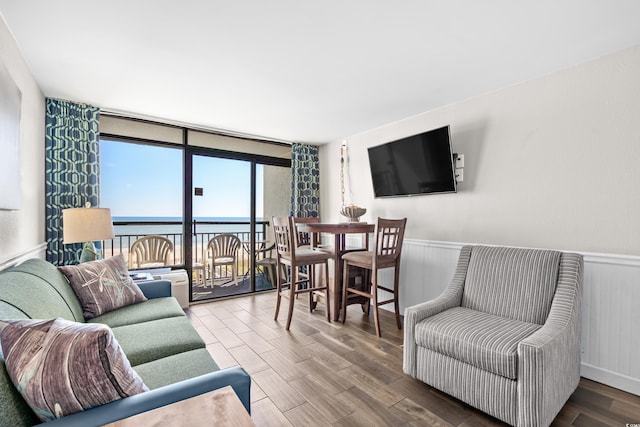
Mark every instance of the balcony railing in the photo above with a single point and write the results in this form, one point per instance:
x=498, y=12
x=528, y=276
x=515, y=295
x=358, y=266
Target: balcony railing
x=127, y=232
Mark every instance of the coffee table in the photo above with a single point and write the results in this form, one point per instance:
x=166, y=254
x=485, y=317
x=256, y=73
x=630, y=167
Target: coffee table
x=217, y=408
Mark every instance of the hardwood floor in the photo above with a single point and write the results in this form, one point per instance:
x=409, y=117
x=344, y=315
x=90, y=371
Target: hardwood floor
x=330, y=374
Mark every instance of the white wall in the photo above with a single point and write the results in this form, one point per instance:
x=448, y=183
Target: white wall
x=549, y=163
x=22, y=231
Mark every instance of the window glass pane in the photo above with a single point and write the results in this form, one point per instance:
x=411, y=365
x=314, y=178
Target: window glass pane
x=225, y=185
x=143, y=187
x=273, y=198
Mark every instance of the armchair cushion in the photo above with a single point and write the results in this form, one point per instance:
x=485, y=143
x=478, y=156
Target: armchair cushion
x=512, y=282
x=482, y=340
x=103, y=286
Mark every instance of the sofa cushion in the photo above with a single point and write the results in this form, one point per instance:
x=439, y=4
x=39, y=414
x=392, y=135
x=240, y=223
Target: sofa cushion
x=148, y=341
x=179, y=367
x=36, y=289
x=482, y=340
x=103, y=285
x=48, y=273
x=15, y=411
x=153, y=309
x=511, y=282
x=62, y=367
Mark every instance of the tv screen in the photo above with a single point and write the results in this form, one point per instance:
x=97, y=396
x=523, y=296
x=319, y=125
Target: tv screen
x=418, y=164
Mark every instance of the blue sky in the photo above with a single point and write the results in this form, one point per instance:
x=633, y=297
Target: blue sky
x=145, y=180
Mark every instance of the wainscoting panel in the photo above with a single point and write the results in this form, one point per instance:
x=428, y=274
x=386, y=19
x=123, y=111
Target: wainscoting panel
x=611, y=321
x=610, y=305
x=426, y=270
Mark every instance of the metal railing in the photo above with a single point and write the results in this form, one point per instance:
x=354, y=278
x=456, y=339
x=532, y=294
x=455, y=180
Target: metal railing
x=202, y=232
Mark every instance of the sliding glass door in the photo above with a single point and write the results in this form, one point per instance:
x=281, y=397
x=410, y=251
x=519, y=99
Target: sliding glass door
x=233, y=202
x=221, y=229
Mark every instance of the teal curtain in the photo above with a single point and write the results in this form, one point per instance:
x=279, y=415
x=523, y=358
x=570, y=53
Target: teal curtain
x=305, y=181
x=71, y=169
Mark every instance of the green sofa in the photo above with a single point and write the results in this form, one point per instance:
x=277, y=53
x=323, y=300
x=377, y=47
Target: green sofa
x=156, y=335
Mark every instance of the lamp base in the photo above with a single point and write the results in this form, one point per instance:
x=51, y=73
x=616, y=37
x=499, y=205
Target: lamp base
x=89, y=253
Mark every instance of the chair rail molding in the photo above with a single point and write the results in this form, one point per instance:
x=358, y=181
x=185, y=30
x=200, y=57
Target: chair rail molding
x=611, y=291
x=38, y=251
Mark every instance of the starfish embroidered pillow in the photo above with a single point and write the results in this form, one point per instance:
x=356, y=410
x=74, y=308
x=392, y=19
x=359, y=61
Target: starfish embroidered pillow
x=62, y=367
x=102, y=286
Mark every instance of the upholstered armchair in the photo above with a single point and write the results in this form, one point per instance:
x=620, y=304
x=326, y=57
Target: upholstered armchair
x=504, y=336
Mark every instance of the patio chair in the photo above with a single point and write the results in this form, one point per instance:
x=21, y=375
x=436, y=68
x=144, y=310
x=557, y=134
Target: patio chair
x=150, y=251
x=223, y=251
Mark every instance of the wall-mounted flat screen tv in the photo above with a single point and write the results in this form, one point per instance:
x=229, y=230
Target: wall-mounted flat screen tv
x=418, y=164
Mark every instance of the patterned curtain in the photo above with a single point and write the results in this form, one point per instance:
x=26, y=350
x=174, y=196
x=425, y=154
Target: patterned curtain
x=305, y=181
x=71, y=169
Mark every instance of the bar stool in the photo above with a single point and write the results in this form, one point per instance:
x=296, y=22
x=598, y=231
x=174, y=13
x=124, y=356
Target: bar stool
x=389, y=235
x=288, y=254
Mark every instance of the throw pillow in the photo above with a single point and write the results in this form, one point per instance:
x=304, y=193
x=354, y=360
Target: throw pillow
x=102, y=286
x=62, y=367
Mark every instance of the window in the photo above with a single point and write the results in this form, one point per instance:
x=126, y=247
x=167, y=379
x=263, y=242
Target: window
x=145, y=169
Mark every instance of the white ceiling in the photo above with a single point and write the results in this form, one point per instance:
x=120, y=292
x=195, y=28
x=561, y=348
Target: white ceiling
x=302, y=70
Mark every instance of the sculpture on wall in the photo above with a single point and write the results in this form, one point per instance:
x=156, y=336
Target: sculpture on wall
x=351, y=211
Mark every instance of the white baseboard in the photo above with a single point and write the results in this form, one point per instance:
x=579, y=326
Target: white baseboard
x=610, y=378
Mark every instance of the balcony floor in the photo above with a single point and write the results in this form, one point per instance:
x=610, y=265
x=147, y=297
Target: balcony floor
x=224, y=287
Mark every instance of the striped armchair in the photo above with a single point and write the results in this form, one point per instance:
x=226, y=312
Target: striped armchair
x=504, y=337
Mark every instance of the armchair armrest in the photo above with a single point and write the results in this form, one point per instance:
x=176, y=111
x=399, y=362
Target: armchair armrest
x=156, y=288
x=549, y=359
x=449, y=298
x=236, y=377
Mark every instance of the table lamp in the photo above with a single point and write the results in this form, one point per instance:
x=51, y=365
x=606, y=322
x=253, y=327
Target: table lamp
x=86, y=225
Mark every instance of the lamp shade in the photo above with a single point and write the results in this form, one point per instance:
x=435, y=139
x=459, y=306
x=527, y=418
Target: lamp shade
x=86, y=225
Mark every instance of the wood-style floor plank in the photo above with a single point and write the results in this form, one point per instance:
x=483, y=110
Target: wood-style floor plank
x=279, y=391
x=332, y=374
x=223, y=358
x=265, y=413
x=305, y=415
x=322, y=399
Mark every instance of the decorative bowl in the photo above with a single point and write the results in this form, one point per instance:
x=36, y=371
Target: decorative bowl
x=353, y=212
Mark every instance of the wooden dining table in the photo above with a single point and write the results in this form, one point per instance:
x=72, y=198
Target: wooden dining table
x=339, y=232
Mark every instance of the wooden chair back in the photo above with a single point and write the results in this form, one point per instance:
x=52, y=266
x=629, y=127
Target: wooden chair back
x=389, y=237
x=282, y=235
x=303, y=238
